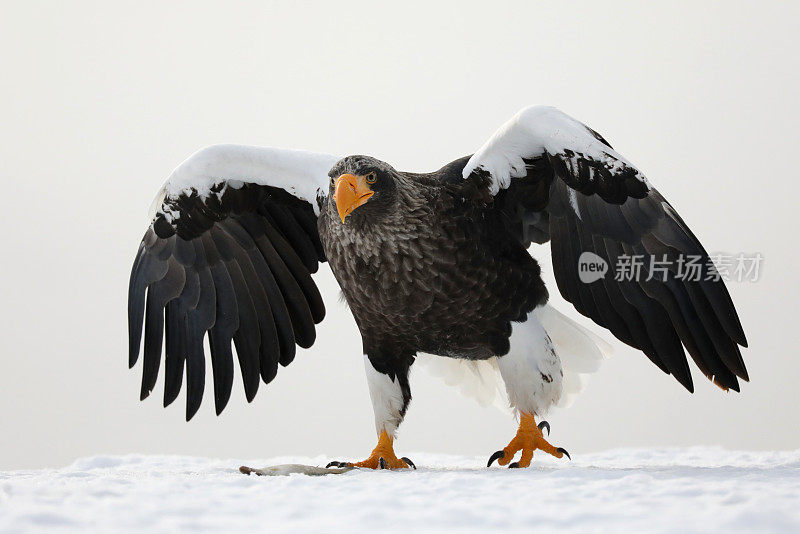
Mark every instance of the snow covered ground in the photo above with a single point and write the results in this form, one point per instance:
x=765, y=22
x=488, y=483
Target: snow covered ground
x=635, y=490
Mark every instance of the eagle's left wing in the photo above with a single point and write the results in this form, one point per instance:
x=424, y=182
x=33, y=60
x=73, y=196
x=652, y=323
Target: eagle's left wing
x=555, y=179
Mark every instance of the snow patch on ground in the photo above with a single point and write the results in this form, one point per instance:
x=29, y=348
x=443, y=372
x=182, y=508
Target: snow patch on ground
x=634, y=490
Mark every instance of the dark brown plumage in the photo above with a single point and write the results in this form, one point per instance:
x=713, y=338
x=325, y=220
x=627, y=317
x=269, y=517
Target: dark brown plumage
x=433, y=273
x=424, y=269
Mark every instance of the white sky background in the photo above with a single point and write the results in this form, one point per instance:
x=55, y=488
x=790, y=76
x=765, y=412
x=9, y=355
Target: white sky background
x=98, y=102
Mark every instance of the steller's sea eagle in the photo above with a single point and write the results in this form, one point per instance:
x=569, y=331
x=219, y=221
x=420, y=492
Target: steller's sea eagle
x=432, y=263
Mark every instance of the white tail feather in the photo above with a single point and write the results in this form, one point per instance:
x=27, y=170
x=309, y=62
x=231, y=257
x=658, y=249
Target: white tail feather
x=581, y=353
x=477, y=379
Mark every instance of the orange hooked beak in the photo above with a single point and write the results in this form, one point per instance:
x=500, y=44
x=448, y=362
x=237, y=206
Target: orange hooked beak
x=351, y=192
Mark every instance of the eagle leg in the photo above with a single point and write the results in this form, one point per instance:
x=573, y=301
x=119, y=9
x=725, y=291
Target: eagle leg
x=382, y=457
x=528, y=439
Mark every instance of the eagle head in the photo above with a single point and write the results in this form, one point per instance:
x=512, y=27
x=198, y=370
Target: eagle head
x=364, y=183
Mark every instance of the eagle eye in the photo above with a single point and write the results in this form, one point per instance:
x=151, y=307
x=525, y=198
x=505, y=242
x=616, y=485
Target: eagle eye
x=371, y=177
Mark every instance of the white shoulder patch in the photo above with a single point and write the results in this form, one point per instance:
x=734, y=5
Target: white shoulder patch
x=531, y=133
x=301, y=173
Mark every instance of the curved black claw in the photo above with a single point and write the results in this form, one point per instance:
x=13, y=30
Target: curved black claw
x=513, y=465
x=409, y=462
x=382, y=463
x=564, y=452
x=544, y=424
x=495, y=456
x=337, y=464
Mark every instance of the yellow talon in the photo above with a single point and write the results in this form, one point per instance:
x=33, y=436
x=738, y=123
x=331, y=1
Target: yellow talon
x=383, y=451
x=528, y=439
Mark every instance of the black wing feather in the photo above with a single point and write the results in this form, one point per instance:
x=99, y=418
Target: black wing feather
x=221, y=335
x=158, y=294
x=284, y=332
x=199, y=321
x=175, y=329
x=235, y=265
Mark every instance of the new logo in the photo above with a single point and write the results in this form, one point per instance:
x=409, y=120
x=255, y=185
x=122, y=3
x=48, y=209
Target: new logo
x=591, y=267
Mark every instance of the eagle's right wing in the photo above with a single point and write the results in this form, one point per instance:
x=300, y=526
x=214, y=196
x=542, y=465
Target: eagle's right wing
x=229, y=252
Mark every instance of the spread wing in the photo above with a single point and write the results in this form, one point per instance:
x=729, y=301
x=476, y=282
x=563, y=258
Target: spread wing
x=555, y=179
x=229, y=252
